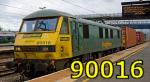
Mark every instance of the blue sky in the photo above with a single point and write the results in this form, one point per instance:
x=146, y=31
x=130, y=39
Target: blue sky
x=12, y=11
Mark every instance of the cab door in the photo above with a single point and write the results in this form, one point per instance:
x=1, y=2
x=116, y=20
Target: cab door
x=65, y=39
x=75, y=37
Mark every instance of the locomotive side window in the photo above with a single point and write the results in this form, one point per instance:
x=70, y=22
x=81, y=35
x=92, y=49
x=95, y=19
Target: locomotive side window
x=73, y=25
x=100, y=32
x=85, y=31
x=111, y=33
x=118, y=33
x=64, y=28
x=106, y=33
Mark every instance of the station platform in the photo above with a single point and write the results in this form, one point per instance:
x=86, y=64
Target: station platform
x=138, y=52
x=142, y=55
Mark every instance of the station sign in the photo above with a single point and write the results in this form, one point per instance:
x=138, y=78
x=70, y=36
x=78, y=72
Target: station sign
x=136, y=9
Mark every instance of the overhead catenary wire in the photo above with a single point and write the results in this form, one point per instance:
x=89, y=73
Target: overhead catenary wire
x=79, y=6
x=13, y=13
x=73, y=10
x=14, y=7
x=61, y=7
x=10, y=16
x=36, y=7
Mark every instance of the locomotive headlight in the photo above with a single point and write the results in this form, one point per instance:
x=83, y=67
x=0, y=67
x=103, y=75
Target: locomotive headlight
x=17, y=49
x=45, y=49
x=50, y=48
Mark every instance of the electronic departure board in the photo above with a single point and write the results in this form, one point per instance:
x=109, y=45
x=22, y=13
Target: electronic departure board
x=136, y=9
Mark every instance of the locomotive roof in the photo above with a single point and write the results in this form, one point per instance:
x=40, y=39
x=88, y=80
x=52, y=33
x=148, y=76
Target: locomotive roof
x=96, y=23
x=47, y=13
x=50, y=12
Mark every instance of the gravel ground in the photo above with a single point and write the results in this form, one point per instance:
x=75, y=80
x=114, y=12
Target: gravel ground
x=12, y=78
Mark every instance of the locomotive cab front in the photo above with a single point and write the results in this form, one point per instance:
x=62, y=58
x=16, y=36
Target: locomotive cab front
x=42, y=41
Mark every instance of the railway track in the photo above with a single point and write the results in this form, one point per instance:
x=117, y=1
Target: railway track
x=6, y=72
x=7, y=75
x=4, y=58
x=6, y=50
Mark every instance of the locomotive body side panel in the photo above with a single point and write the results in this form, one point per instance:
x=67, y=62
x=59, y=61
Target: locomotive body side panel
x=86, y=38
